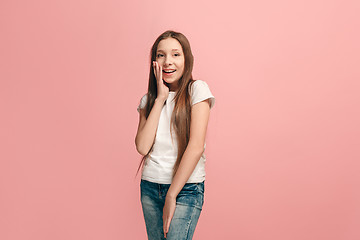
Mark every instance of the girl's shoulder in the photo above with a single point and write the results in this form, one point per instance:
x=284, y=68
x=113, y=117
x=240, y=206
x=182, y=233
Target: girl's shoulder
x=200, y=91
x=142, y=102
x=199, y=85
x=199, y=81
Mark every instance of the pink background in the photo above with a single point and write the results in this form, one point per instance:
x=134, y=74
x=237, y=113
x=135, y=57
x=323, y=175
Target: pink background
x=283, y=138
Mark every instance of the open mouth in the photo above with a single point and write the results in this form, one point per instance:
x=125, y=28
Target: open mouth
x=169, y=72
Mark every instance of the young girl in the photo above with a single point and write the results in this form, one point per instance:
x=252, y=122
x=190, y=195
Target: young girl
x=174, y=115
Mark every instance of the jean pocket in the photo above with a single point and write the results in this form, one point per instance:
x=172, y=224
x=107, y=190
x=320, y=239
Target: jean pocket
x=189, y=187
x=201, y=187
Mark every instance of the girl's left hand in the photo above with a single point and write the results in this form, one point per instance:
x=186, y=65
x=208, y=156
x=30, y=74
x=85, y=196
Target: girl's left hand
x=168, y=213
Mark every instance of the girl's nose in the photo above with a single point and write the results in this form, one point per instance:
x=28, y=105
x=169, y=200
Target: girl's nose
x=168, y=61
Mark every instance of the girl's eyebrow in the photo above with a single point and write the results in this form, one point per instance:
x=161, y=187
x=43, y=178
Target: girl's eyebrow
x=164, y=51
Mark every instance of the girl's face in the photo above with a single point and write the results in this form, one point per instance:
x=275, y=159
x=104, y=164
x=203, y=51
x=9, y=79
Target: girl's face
x=170, y=57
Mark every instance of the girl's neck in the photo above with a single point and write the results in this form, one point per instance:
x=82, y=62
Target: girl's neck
x=172, y=87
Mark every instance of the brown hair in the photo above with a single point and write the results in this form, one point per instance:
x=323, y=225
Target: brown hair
x=181, y=115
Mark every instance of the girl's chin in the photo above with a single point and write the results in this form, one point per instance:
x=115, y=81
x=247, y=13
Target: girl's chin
x=167, y=81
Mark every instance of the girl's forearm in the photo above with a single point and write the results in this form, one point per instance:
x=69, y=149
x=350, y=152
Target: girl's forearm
x=146, y=135
x=187, y=165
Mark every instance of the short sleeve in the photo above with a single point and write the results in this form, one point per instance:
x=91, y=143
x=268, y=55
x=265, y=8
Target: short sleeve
x=200, y=91
x=142, y=102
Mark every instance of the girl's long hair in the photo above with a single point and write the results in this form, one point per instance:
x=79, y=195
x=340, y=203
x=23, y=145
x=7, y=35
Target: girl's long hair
x=181, y=116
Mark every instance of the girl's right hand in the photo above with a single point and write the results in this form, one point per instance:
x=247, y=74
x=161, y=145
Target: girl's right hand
x=162, y=89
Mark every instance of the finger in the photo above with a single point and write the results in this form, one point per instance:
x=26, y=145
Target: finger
x=157, y=67
x=160, y=72
x=157, y=71
x=154, y=68
x=164, y=228
x=168, y=225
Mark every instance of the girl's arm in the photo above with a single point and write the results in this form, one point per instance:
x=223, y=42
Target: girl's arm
x=199, y=120
x=147, y=127
x=146, y=132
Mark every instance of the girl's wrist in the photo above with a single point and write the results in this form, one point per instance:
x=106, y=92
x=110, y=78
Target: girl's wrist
x=160, y=99
x=170, y=196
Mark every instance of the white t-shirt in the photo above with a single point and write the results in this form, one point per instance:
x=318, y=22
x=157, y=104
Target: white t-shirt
x=161, y=160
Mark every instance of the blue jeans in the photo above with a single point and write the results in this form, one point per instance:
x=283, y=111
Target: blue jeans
x=189, y=204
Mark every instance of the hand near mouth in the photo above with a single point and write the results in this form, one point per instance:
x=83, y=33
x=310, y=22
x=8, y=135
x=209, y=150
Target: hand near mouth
x=162, y=89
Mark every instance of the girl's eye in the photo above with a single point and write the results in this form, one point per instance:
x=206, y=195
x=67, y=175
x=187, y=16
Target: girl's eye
x=160, y=55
